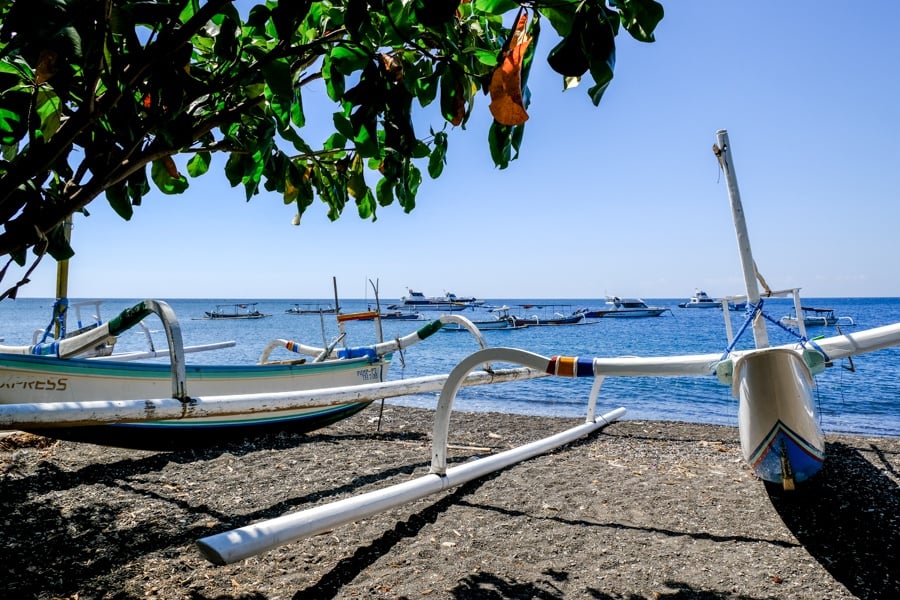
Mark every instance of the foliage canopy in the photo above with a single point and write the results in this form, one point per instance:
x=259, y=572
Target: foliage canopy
x=98, y=96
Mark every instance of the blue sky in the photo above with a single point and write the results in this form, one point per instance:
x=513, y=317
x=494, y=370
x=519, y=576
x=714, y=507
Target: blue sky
x=625, y=198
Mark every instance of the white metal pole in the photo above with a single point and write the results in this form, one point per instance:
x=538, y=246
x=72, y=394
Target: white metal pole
x=99, y=412
x=231, y=546
x=723, y=152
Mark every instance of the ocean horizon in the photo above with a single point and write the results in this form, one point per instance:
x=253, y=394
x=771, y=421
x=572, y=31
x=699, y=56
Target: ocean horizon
x=858, y=396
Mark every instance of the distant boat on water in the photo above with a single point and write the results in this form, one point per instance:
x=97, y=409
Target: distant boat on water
x=311, y=308
x=813, y=317
x=448, y=302
x=371, y=315
x=624, y=308
x=235, y=311
x=700, y=299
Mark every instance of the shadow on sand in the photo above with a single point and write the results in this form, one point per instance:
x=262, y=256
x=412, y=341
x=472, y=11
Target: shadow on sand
x=848, y=519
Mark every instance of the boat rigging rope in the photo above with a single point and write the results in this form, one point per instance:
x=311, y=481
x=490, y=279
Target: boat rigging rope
x=58, y=318
x=757, y=309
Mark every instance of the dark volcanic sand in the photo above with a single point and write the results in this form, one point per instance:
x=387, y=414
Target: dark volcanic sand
x=640, y=510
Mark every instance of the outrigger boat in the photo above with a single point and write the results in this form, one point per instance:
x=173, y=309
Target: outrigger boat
x=502, y=321
x=816, y=317
x=46, y=379
x=311, y=308
x=235, y=311
x=778, y=428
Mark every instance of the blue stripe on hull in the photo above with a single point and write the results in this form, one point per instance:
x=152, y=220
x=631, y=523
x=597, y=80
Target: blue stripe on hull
x=804, y=458
x=161, y=435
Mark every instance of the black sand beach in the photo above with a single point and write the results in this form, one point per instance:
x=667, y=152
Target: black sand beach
x=639, y=510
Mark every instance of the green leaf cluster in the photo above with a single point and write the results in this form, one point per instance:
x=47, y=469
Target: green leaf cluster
x=100, y=98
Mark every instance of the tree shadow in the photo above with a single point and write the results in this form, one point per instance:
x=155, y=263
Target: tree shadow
x=348, y=569
x=847, y=519
x=84, y=544
x=681, y=591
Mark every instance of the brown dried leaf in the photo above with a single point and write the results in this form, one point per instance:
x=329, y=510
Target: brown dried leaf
x=507, y=104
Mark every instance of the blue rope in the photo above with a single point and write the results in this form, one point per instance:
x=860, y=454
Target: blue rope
x=59, y=316
x=752, y=311
x=803, y=340
x=757, y=309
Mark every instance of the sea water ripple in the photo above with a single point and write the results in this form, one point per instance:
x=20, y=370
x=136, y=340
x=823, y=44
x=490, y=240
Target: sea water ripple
x=864, y=401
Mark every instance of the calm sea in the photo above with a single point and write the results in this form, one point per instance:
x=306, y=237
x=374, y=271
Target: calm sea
x=865, y=400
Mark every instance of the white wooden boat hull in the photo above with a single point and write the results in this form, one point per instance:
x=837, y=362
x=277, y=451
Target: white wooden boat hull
x=628, y=314
x=780, y=434
x=810, y=321
x=498, y=324
x=35, y=379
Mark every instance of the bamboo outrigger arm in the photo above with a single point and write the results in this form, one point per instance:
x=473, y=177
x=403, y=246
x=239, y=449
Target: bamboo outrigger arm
x=128, y=318
x=238, y=544
x=379, y=349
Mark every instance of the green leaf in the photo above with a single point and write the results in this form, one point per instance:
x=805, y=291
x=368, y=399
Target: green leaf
x=164, y=181
x=335, y=141
x=434, y=13
x=117, y=196
x=438, y=159
x=58, y=244
x=356, y=183
x=342, y=125
x=384, y=192
x=49, y=110
x=408, y=187
x=495, y=7
x=286, y=16
x=365, y=206
x=297, y=116
x=347, y=59
x=199, y=164
x=12, y=127
x=367, y=145
x=138, y=186
x=278, y=77
x=640, y=17
x=333, y=78
x=234, y=168
x=499, y=140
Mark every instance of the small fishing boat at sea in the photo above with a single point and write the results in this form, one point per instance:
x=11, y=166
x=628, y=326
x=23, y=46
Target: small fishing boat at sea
x=555, y=319
x=371, y=315
x=399, y=315
x=311, y=308
x=501, y=321
x=700, y=299
x=235, y=311
x=624, y=308
x=815, y=317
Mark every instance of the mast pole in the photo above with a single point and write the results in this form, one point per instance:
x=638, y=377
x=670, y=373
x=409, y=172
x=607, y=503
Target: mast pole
x=723, y=153
x=62, y=286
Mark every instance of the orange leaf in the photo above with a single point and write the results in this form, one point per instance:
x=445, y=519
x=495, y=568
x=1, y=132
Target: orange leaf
x=171, y=169
x=507, y=104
